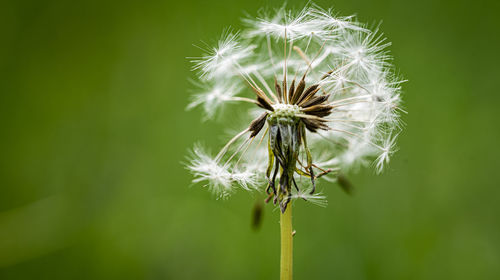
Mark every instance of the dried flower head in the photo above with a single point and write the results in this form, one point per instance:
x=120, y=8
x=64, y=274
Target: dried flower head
x=328, y=101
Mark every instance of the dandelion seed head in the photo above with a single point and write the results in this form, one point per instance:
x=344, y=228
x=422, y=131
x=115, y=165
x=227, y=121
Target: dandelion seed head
x=321, y=94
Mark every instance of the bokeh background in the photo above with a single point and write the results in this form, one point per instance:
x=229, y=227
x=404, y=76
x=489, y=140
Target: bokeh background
x=94, y=130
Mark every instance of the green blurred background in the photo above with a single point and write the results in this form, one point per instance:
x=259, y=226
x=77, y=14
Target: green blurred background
x=94, y=130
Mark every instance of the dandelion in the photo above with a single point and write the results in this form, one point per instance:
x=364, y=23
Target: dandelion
x=323, y=98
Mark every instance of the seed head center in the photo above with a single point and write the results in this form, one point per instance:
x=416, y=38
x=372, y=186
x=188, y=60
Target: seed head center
x=284, y=112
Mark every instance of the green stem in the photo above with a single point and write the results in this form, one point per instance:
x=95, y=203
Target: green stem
x=286, y=244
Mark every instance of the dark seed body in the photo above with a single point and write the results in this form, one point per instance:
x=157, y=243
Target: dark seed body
x=257, y=213
x=315, y=101
x=319, y=110
x=257, y=124
x=264, y=104
x=279, y=93
x=308, y=93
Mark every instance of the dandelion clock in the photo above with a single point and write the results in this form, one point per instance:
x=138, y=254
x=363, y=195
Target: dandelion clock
x=324, y=99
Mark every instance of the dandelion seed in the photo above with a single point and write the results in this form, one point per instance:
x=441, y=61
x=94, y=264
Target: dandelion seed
x=315, y=198
x=386, y=151
x=223, y=60
x=213, y=96
x=206, y=169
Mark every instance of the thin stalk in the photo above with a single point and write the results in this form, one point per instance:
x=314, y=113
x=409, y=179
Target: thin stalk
x=286, y=244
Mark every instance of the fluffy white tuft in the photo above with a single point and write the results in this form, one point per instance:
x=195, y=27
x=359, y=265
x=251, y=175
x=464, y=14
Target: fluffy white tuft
x=224, y=60
x=212, y=96
x=387, y=149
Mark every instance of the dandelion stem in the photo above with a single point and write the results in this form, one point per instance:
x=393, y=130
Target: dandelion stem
x=286, y=244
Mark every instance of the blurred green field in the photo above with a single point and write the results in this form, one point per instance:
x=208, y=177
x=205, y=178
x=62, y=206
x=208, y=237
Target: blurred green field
x=94, y=130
